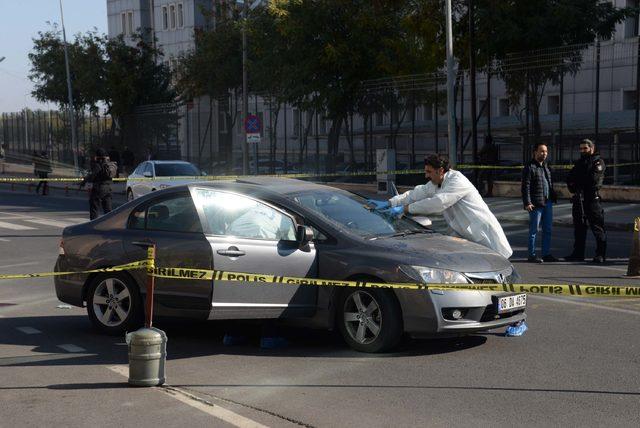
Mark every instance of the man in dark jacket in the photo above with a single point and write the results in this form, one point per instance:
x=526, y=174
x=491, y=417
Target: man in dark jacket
x=42, y=168
x=101, y=176
x=584, y=181
x=538, y=197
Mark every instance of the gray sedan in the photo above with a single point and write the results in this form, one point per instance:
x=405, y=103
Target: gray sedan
x=290, y=228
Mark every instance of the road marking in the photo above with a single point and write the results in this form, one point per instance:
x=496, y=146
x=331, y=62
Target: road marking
x=198, y=403
x=587, y=304
x=46, y=222
x=13, y=226
x=5, y=240
x=28, y=330
x=70, y=347
x=19, y=264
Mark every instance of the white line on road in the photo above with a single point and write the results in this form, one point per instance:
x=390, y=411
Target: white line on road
x=198, y=403
x=19, y=264
x=70, y=347
x=28, y=330
x=590, y=305
x=47, y=222
x=13, y=226
x=5, y=240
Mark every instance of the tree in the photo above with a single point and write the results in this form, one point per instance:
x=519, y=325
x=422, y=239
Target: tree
x=507, y=27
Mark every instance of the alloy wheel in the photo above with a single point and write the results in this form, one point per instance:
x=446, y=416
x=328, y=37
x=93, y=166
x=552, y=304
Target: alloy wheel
x=112, y=302
x=362, y=317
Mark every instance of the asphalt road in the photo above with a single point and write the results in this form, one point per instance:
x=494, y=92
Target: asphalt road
x=577, y=365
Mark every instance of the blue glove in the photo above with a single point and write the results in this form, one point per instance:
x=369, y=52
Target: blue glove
x=516, y=329
x=378, y=205
x=394, y=212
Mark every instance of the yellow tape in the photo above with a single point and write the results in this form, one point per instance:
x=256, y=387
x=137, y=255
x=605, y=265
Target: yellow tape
x=580, y=290
x=129, y=266
x=296, y=175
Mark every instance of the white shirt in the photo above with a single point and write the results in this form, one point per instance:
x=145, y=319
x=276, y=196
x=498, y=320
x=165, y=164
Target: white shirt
x=462, y=207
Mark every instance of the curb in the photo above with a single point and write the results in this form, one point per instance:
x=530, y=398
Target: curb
x=624, y=227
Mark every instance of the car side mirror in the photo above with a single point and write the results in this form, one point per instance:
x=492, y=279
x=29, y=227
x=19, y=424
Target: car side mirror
x=304, y=234
x=147, y=174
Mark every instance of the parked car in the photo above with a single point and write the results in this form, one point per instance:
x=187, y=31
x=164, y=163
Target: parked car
x=153, y=175
x=284, y=227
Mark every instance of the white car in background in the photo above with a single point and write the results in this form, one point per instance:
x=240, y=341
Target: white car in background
x=154, y=175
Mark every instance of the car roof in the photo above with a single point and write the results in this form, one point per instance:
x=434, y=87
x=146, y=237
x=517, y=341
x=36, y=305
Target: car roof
x=169, y=161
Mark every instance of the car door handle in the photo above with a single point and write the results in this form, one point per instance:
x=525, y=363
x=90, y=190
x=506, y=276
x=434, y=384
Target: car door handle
x=231, y=252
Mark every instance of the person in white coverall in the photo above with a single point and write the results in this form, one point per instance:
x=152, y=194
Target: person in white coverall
x=449, y=192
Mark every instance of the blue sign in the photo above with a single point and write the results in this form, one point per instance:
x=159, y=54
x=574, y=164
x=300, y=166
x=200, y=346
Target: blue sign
x=252, y=124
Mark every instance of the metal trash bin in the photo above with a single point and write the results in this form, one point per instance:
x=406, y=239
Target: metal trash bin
x=147, y=356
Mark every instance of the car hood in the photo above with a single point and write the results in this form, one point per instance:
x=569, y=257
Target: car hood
x=443, y=252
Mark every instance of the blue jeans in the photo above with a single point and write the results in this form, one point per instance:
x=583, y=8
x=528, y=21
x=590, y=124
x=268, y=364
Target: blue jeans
x=544, y=214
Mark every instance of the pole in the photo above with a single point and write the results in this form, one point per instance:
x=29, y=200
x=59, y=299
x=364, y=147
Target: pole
x=74, y=139
x=151, y=257
x=451, y=126
x=255, y=145
x=245, y=89
x=318, y=146
x=597, y=118
x=472, y=65
x=489, y=101
x=637, y=130
x=561, y=118
x=435, y=114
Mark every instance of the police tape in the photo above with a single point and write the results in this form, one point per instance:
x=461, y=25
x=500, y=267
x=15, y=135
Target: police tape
x=288, y=175
x=142, y=264
x=579, y=290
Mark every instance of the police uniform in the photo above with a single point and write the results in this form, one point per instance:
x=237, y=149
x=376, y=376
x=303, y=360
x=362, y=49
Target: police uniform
x=584, y=181
x=100, y=194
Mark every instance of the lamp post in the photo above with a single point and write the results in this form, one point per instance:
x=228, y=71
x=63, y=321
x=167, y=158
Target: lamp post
x=451, y=112
x=72, y=118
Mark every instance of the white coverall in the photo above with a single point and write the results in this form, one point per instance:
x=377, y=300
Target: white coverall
x=462, y=208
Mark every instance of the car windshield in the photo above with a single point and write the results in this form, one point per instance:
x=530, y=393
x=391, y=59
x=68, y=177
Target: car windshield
x=176, y=170
x=350, y=211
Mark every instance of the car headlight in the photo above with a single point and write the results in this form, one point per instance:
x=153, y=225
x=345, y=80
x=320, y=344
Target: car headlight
x=435, y=276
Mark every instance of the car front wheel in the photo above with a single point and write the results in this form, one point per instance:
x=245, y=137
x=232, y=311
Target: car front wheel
x=370, y=320
x=113, y=303
x=129, y=195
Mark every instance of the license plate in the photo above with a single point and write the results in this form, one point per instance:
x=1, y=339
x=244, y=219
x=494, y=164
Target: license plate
x=511, y=303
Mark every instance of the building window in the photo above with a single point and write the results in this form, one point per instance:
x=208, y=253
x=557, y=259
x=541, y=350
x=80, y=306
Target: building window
x=483, y=108
x=629, y=99
x=172, y=16
x=553, y=104
x=165, y=18
x=427, y=112
x=379, y=119
x=631, y=24
x=180, y=16
x=130, y=22
x=503, y=107
x=123, y=19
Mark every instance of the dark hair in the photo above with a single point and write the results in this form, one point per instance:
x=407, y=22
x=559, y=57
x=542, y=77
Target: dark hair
x=101, y=153
x=588, y=142
x=437, y=161
x=538, y=144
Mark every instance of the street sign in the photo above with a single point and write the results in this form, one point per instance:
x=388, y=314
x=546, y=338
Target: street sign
x=253, y=138
x=252, y=124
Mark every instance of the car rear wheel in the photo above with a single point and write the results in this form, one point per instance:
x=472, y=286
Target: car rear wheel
x=129, y=195
x=113, y=303
x=370, y=320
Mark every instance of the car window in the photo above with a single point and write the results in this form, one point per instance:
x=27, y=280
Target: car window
x=349, y=211
x=176, y=170
x=177, y=214
x=236, y=215
x=148, y=168
x=140, y=168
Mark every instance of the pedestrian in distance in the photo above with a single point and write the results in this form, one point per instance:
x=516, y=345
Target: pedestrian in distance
x=450, y=193
x=585, y=181
x=2, y=158
x=42, y=168
x=538, y=197
x=488, y=157
x=101, y=176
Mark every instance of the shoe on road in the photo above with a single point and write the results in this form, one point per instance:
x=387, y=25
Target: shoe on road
x=598, y=260
x=534, y=259
x=549, y=259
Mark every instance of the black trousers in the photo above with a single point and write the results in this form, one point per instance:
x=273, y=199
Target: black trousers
x=100, y=196
x=595, y=220
x=43, y=183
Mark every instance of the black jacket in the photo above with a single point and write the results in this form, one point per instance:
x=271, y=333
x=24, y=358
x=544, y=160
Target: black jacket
x=97, y=175
x=586, y=176
x=533, y=186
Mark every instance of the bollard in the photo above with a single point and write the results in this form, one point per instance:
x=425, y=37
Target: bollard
x=148, y=345
x=147, y=356
x=634, y=258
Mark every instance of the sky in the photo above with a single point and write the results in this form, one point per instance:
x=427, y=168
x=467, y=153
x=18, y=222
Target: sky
x=20, y=21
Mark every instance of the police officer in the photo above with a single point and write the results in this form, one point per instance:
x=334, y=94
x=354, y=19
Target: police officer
x=101, y=179
x=584, y=181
